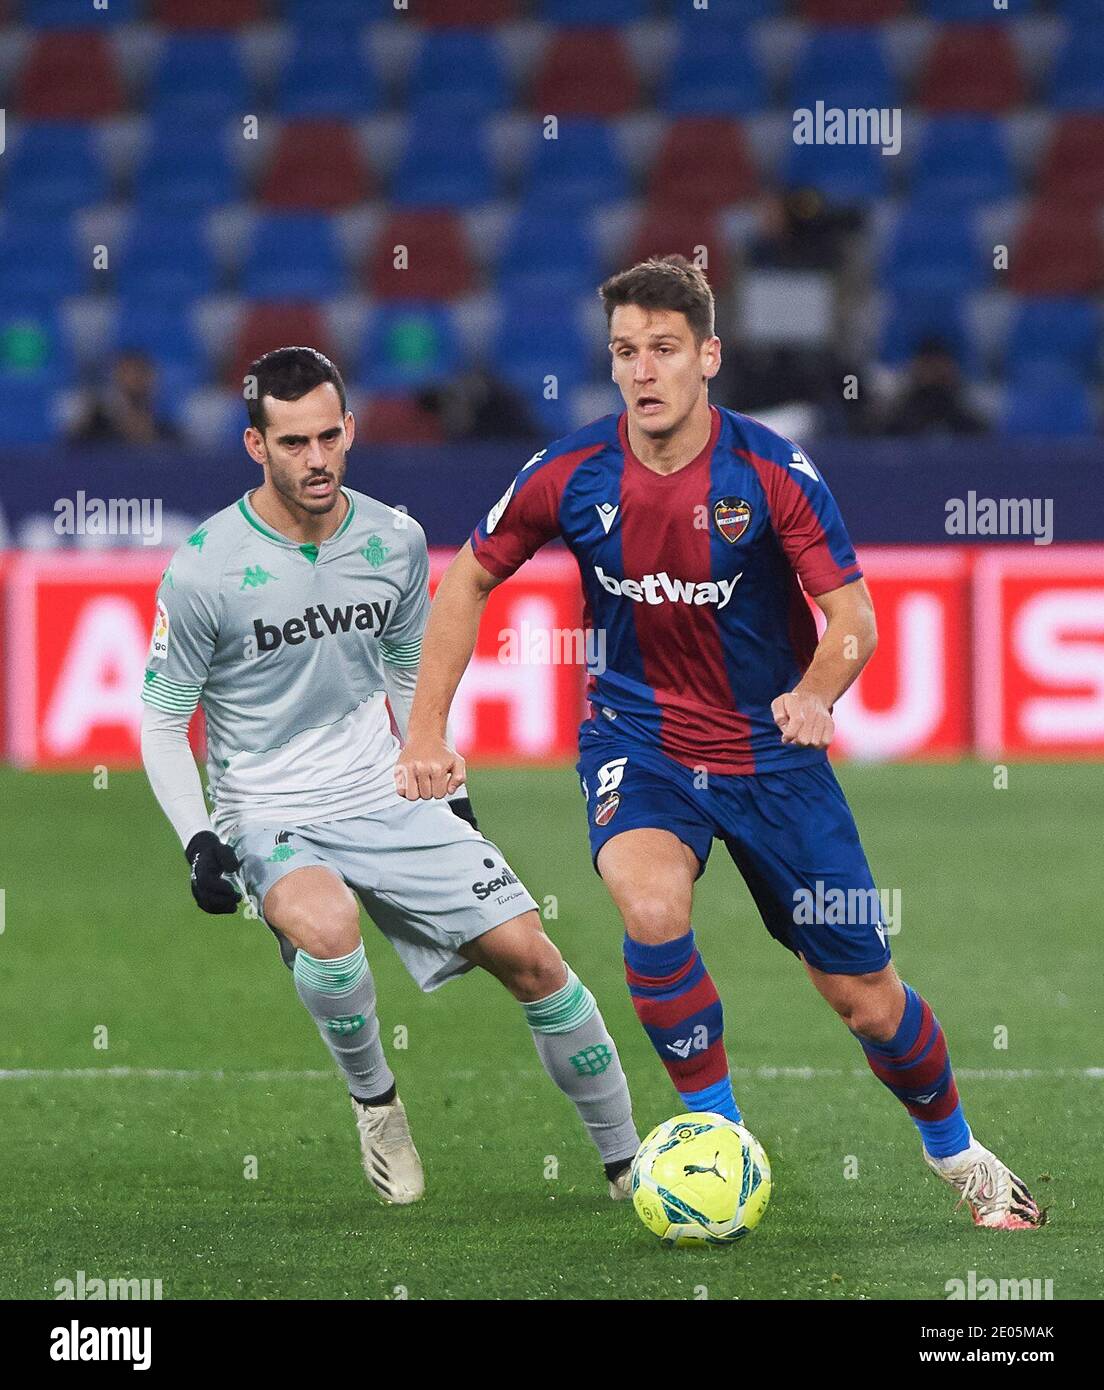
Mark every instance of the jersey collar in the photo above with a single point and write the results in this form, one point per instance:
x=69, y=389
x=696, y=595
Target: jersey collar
x=247, y=510
x=664, y=478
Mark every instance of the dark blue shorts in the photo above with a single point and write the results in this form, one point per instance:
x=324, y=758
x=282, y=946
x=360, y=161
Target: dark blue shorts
x=791, y=834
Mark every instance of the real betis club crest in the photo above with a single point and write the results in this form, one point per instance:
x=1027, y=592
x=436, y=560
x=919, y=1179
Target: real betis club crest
x=375, y=552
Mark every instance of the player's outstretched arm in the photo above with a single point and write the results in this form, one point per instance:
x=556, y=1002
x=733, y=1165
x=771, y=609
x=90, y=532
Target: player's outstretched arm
x=804, y=714
x=427, y=767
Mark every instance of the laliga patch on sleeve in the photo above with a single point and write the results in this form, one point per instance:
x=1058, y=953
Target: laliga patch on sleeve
x=495, y=514
x=159, y=646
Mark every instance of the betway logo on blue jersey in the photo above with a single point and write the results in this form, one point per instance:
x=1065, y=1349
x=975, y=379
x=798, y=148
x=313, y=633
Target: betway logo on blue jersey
x=661, y=588
x=318, y=621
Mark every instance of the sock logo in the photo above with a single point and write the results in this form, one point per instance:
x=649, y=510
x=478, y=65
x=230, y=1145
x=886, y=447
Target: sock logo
x=320, y=621
x=592, y=1061
x=346, y=1023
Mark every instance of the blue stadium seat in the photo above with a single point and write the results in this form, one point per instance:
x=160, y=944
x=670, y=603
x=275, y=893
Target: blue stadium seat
x=714, y=73
x=326, y=75
x=185, y=167
x=971, y=11
x=592, y=11
x=409, y=345
x=200, y=76
x=582, y=167
x=933, y=251
x=843, y=67
x=294, y=256
x=912, y=318
x=963, y=159
x=844, y=174
x=162, y=329
x=1056, y=330
x=166, y=258
x=1077, y=79
x=444, y=166
x=39, y=257
x=732, y=13
x=1048, y=398
x=549, y=252
x=538, y=338
x=63, y=14
x=26, y=411
x=337, y=12
x=54, y=167
x=1078, y=9
x=457, y=70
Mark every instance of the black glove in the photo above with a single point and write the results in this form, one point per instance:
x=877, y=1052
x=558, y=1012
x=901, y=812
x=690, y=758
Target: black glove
x=210, y=859
x=462, y=807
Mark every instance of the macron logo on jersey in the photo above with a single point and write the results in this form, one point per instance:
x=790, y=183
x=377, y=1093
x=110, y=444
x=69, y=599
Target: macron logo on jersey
x=319, y=621
x=661, y=588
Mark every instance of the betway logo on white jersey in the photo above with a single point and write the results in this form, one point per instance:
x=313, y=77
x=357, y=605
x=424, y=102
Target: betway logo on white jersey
x=661, y=588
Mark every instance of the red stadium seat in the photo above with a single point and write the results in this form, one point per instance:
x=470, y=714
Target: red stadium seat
x=69, y=75
x=439, y=264
x=207, y=14
x=399, y=420
x=471, y=12
x=851, y=11
x=1058, y=251
x=317, y=164
x=268, y=326
x=702, y=165
x=667, y=231
x=972, y=68
x=1073, y=167
x=585, y=72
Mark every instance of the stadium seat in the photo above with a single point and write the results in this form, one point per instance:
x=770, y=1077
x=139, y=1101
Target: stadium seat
x=317, y=164
x=852, y=11
x=580, y=168
x=702, y=165
x=163, y=331
x=444, y=166
x=585, y=72
x=1058, y=251
x=671, y=231
x=207, y=14
x=27, y=414
x=200, y=77
x=268, y=326
x=1077, y=79
x=166, y=258
x=294, y=256
x=1073, y=167
x=39, y=256
x=733, y=13
x=457, y=71
x=185, y=168
x=539, y=348
x=843, y=174
x=714, y=73
x=54, y=168
x=933, y=251
x=69, y=75
x=326, y=75
x=843, y=67
x=1049, y=399
x=33, y=348
x=330, y=14
x=59, y=14
x=408, y=346
x=1078, y=9
x=972, y=68
x=1066, y=331
x=471, y=12
x=969, y=11
x=438, y=258
x=962, y=159
x=399, y=420
x=549, y=251
x=913, y=318
x=592, y=11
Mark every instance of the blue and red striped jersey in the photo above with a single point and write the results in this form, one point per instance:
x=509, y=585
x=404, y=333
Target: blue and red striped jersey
x=692, y=580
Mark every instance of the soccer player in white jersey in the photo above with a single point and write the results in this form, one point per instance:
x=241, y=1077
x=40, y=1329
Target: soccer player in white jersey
x=294, y=617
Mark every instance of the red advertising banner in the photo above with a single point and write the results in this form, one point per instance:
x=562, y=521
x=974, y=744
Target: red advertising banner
x=998, y=650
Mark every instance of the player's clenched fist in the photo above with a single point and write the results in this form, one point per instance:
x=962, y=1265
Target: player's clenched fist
x=428, y=769
x=805, y=720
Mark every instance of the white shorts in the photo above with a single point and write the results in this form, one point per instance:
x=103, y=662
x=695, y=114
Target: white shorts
x=428, y=881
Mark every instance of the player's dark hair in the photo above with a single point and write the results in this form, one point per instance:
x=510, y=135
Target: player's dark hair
x=286, y=374
x=663, y=282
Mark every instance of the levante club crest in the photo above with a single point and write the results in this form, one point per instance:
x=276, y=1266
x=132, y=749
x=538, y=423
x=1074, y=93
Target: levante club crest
x=732, y=515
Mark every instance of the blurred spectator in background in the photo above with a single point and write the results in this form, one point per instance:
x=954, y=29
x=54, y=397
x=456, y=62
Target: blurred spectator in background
x=125, y=411
x=933, y=398
x=800, y=231
x=477, y=405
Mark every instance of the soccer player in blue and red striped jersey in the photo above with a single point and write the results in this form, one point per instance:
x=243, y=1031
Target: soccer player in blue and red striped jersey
x=698, y=532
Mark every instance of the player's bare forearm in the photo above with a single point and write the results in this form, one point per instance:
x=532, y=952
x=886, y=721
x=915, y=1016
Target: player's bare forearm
x=427, y=767
x=804, y=714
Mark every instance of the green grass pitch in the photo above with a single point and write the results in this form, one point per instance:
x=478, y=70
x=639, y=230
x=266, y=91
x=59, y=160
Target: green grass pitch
x=144, y=1176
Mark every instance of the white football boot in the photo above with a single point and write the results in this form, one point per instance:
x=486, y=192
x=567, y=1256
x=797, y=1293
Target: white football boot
x=620, y=1187
x=390, y=1160
x=997, y=1198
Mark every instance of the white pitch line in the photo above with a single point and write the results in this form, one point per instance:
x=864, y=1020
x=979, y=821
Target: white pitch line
x=758, y=1073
